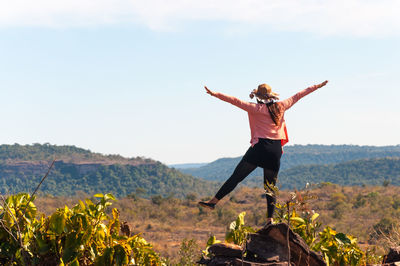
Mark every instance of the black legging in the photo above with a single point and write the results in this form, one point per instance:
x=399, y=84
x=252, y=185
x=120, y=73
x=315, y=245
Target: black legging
x=242, y=170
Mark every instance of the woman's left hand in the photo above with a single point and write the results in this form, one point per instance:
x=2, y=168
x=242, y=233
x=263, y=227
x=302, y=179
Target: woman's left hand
x=208, y=91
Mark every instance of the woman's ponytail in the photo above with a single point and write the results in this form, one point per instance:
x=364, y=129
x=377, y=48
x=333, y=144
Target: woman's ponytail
x=275, y=112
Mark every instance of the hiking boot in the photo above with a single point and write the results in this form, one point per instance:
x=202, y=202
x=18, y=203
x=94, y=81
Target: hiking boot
x=207, y=205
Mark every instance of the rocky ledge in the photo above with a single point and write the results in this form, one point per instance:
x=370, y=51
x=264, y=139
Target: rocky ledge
x=268, y=247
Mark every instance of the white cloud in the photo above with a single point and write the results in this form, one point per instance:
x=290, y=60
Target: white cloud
x=327, y=17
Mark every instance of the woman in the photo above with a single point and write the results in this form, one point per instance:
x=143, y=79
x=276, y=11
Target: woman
x=268, y=135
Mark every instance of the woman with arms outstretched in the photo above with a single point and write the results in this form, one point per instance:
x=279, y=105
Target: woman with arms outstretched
x=268, y=135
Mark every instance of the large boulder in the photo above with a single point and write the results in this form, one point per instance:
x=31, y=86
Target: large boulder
x=227, y=261
x=267, y=247
x=226, y=250
x=270, y=244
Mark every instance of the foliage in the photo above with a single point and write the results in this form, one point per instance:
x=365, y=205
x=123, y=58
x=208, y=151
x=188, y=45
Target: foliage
x=191, y=196
x=386, y=183
x=82, y=235
x=383, y=227
x=211, y=241
x=172, y=222
x=188, y=252
x=336, y=248
x=17, y=220
x=157, y=199
x=339, y=248
x=392, y=238
x=237, y=231
x=306, y=226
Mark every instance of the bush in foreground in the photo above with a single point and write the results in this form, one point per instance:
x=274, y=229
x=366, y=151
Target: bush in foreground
x=82, y=235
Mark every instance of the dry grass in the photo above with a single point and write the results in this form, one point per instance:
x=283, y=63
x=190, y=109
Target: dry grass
x=351, y=210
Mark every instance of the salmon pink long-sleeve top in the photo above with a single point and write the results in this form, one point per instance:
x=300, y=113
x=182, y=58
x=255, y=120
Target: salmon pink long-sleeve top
x=261, y=123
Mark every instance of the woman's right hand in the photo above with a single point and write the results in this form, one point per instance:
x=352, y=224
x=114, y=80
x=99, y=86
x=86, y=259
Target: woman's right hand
x=322, y=84
x=208, y=91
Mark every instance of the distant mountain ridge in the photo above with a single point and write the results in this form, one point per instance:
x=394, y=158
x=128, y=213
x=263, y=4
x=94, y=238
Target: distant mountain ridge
x=186, y=165
x=67, y=153
x=76, y=169
x=373, y=171
x=298, y=155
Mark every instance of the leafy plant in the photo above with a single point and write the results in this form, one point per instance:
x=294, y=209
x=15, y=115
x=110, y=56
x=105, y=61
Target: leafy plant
x=236, y=234
x=211, y=241
x=336, y=248
x=237, y=231
x=306, y=226
x=339, y=248
x=188, y=252
x=17, y=218
x=82, y=235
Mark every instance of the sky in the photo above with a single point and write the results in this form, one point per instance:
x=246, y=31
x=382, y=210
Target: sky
x=126, y=77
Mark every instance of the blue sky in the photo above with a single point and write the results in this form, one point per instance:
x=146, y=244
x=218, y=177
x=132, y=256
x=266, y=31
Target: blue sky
x=127, y=77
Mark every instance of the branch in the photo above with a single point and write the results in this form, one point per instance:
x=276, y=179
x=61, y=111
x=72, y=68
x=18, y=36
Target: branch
x=287, y=233
x=8, y=231
x=34, y=192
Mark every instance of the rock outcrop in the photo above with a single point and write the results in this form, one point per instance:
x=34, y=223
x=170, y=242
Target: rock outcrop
x=269, y=247
x=266, y=247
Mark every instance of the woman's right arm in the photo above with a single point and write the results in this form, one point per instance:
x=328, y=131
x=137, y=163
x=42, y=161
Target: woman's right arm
x=289, y=102
x=249, y=107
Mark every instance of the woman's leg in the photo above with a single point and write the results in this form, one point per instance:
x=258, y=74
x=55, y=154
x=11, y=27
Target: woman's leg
x=242, y=170
x=270, y=178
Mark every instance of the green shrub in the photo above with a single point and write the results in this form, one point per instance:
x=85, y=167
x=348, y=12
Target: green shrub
x=189, y=252
x=158, y=199
x=360, y=201
x=384, y=226
x=336, y=248
x=237, y=231
x=82, y=235
x=191, y=196
x=339, y=248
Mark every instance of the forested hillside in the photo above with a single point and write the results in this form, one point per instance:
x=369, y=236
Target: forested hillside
x=76, y=169
x=299, y=155
x=354, y=173
x=22, y=167
x=47, y=152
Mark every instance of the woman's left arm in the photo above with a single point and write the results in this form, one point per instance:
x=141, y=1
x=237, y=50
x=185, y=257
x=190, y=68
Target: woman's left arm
x=289, y=102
